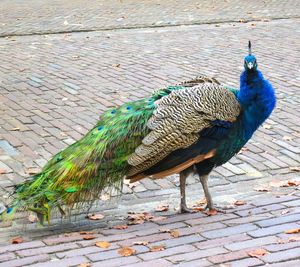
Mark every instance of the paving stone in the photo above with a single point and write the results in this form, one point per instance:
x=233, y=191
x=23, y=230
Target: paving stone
x=117, y=262
x=280, y=220
x=257, y=242
x=197, y=254
x=25, y=261
x=272, y=230
x=243, y=228
x=282, y=255
x=49, y=249
x=167, y=252
x=157, y=263
x=245, y=263
x=75, y=261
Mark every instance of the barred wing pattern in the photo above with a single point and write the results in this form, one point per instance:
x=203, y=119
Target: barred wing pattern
x=178, y=119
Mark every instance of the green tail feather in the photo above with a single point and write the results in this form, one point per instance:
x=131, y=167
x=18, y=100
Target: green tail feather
x=96, y=162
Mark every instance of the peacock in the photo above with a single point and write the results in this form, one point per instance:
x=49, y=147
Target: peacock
x=191, y=127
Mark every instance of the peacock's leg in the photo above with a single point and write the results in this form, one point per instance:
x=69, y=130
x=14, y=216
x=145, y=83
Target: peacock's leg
x=203, y=180
x=183, y=175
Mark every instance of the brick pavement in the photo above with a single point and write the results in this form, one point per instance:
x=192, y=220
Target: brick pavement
x=221, y=240
x=24, y=17
x=53, y=88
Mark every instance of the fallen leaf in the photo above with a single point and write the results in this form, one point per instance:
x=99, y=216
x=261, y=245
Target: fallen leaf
x=32, y=218
x=88, y=237
x=292, y=231
x=293, y=183
x=162, y=208
x=239, y=202
x=144, y=243
x=262, y=189
x=257, y=253
x=157, y=248
x=201, y=202
x=139, y=218
x=267, y=126
x=120, y=227
x=163, y=230
x=96, y=216
x=3, y=171
x=174, y=233
x=295, y=169
x=17, y=240
x=294, y=239
x=86, y=233
x=103, y=244
x=126, y=251
x=87, y=264
x=211, y=212
x=198, y=208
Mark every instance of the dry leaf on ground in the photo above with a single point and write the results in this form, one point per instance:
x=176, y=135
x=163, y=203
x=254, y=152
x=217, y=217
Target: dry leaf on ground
x=201, y=202
x=103, y=244
x=211, y=212
x=86, y=264
x=96, y=216
x=293, y=183
x=262, y=189
x=157, y=248
x=3, y=171
x=198, y=209
x=257, y=253
x=17, y=240
x=86, y=233
x=294, y=239
x=144, y=243
x=267, y=126
x=120, y=227
x=292, y=231
x=239, y=202
x=88, y=237
x=162, y=208
x=174, y=233
x=126, y=251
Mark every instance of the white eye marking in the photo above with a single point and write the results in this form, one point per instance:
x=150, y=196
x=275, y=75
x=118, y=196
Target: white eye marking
x=250, y=65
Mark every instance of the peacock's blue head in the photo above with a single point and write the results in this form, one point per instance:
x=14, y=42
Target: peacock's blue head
x=250, y=62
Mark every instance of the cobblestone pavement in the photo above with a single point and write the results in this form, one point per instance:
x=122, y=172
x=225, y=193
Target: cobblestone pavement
x=44, y=16
x=54, y=87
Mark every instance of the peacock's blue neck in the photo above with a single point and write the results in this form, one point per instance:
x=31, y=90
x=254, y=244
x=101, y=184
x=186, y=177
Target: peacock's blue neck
x=257, y=99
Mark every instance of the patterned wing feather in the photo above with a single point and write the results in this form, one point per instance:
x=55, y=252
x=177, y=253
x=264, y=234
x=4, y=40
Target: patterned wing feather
x=177, y=120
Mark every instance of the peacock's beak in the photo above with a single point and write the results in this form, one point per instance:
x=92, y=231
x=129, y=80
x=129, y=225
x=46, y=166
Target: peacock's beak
x=250, y=65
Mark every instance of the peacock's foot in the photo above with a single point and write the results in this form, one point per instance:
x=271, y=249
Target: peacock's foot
x=185, y=209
